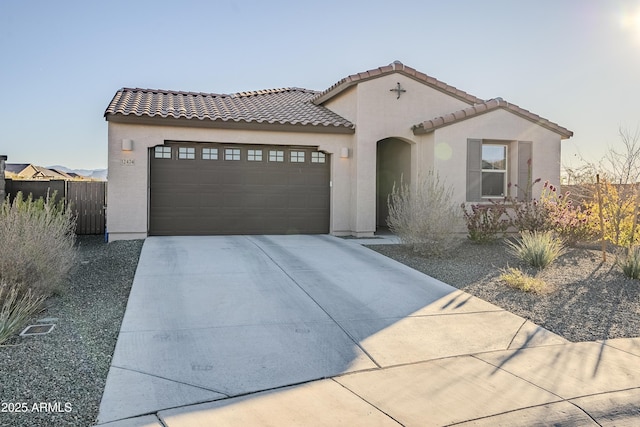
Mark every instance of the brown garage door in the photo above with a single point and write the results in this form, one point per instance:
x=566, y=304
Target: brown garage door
x=202, y=189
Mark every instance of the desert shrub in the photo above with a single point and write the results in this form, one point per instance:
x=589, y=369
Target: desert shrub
x=16, y=307
x=515, y=278
x=528, y=214
x=569, y=221
x=538, y=249
x=630, y=263
x=36, y=243
x=424, y=218
x=486, y=223
x=553, y=211
x=618, y=209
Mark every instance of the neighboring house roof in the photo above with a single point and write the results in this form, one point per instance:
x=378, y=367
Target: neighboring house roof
x=29, y=171
x=15, y=167
x=395, y=67
x=485, y=107
x=287, y=106
x=59, y=172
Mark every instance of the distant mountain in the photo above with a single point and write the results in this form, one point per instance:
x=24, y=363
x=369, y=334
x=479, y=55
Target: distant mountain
x=90, y=173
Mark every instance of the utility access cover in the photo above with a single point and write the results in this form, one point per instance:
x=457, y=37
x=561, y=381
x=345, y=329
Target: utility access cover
x=37, y=330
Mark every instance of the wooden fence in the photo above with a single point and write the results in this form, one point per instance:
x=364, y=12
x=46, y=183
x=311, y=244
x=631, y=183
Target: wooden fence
x=87, y=199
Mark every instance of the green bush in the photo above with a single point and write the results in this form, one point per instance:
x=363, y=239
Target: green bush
x=16, y=307
x=630, y=264
x=538, y=249
x=515, y=278
x=37, y=240
x=486, y=223
x=424, y=217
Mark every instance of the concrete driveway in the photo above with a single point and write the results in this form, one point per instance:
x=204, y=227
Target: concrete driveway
x=318, y=330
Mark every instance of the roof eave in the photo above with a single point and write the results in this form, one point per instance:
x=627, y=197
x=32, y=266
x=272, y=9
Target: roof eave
x=400, y=68
x=229, y=124
x=564, y=133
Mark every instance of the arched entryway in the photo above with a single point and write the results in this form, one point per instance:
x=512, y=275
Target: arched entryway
x=393, y=164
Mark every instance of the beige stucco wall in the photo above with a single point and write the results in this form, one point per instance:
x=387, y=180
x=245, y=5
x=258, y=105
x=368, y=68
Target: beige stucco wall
x=345, y=104
x=380, y=114
x=450, y=148
x=127, y=194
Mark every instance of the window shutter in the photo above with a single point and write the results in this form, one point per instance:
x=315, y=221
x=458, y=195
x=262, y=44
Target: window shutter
x=474, y=170
x=524, y=165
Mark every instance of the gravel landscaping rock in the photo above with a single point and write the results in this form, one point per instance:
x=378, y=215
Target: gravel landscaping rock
x=588, y=299
x=58, y=379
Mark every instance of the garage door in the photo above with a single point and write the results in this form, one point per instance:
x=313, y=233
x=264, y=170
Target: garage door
x=203, y=189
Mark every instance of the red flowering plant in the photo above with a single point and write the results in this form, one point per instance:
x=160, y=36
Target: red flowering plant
x=527, y=213
x=554, y=211
x=569, y=221
x=486, y=223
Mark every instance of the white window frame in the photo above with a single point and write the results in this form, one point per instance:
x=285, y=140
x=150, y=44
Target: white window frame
x=162, y=152
x=296, y=156
x=232, y=154
x=186, y=153
x=318, y=157
x=210, y=154
x=276, y=156
x=254, y=155
x=504, y=172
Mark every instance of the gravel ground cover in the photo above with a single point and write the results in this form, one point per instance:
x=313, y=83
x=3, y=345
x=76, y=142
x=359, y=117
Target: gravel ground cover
x=587, y=300
x=58, y=379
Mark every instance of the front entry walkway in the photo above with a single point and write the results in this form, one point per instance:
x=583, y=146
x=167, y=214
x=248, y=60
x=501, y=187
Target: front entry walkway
x=318, y=330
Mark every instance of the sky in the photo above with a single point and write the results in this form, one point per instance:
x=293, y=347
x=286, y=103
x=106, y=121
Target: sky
x=574, y=62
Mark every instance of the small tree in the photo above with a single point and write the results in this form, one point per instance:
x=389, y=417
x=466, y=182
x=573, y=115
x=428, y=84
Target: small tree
x=619, y=171
x=425, y=217
x=618, y=208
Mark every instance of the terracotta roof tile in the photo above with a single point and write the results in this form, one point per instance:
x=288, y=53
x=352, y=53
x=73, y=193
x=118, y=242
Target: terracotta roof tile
x=282, y=106
x=394, y=67
x=484, y=107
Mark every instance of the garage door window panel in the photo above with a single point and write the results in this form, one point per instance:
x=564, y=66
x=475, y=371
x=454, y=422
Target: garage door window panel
x=297, y=157
x=254, y=155
x=209, y=154
x=232, y=154
x=162, y=152
x=186, y=153
x=276, y=156
x=318, y=157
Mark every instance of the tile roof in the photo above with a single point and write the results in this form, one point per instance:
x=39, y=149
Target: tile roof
x=485, y=107
x=394, y=67
x=287, y=106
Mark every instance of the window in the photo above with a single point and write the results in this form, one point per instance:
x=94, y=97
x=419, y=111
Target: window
x=232, y=154
x=297, y=157
x=493, y=164
x=162, y=153
x=209, y=154
x=276, y=156
x=494, y=170
x=317, y=157
x=254, y=155
x=186, y=153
